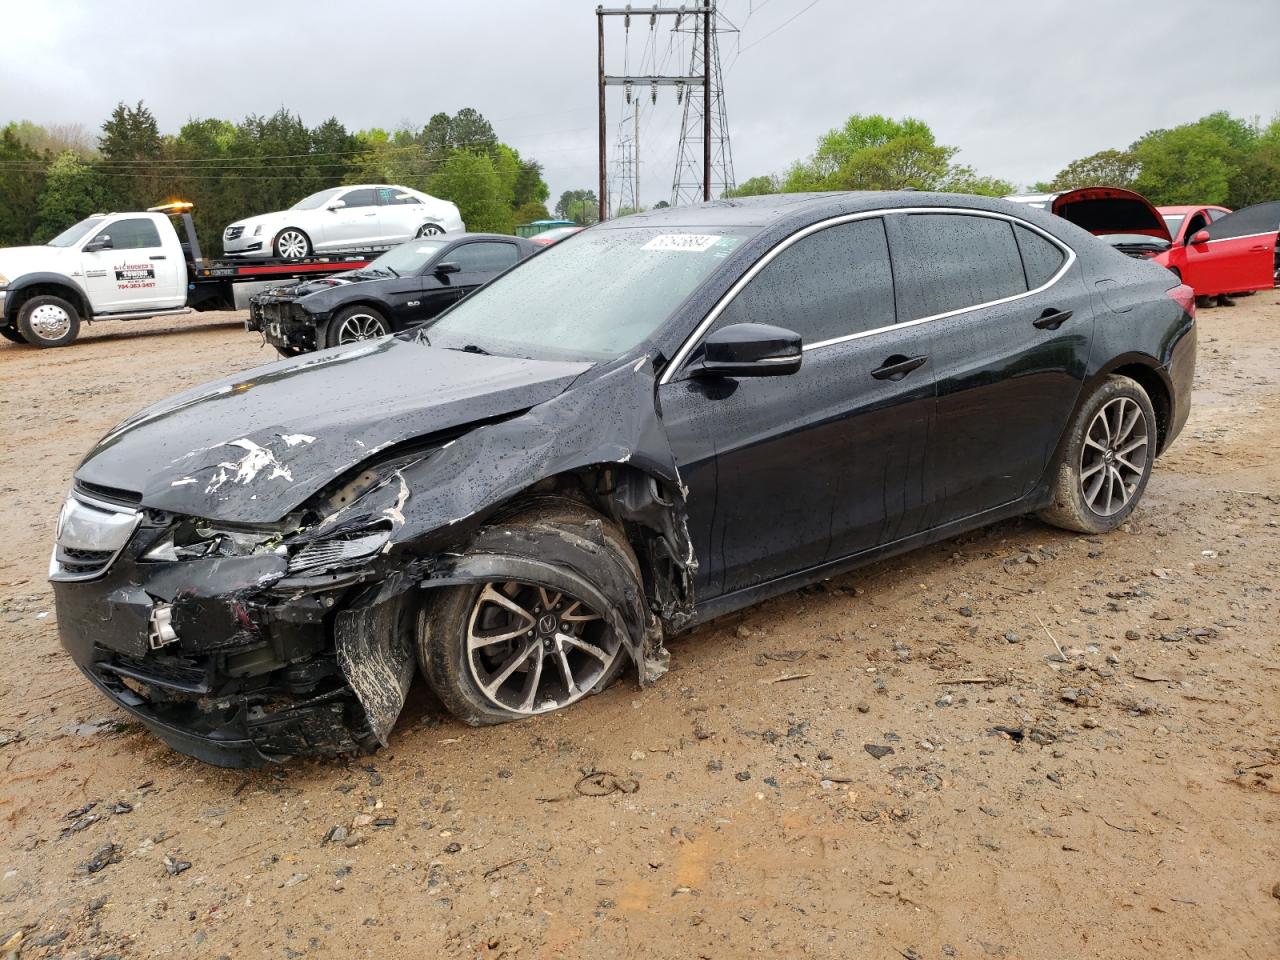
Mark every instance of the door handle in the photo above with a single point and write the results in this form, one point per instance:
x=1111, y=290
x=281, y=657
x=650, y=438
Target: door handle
x=897, y=366
x=1051, y=319
x=1261, y=246
x=159, y=256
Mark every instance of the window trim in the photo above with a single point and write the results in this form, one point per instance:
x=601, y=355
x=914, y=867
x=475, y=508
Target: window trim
x=690, y=342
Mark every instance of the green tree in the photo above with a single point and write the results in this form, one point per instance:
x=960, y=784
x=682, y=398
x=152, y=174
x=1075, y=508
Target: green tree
x=755, y=187
x=469, y=179
x=1106, y=168
x=130, y=146
x=22, y=178
x=529, y=212
x=71, y=193
x=1188, y=164
x=964, y=179
x=577, y=203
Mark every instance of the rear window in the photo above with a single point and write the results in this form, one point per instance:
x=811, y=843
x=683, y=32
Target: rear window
x=952, y=261
x=1040, y=258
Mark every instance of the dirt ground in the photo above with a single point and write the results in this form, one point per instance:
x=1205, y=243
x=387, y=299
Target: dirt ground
x=896, y=763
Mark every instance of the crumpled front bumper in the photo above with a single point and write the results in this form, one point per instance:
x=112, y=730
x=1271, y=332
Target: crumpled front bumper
x=254, y=675
x=284, y=325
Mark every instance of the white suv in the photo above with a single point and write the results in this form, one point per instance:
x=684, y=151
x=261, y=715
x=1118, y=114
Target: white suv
x=356, y=217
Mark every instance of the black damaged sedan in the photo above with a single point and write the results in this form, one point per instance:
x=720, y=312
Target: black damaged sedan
x=405, y=286
x=665, y=419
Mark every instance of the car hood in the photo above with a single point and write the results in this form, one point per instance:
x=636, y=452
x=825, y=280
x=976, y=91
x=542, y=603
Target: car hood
x=17, y=261
x=321, y=284
x=253, y=447
x=1107, y=210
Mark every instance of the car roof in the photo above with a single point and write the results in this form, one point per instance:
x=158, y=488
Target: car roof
x=763, y=211
x=1191, y=209
x=467, y=235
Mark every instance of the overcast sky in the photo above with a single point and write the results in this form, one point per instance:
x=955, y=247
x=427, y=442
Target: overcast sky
x=1021, y=87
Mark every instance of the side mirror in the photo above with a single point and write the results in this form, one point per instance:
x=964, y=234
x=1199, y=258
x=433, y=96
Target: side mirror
x=1200, y=236
x=750, y=350
x=336, y=205
x=443, y=269
x=98, y=243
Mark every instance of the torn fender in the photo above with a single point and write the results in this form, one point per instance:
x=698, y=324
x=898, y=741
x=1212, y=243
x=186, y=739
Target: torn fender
x=373, y=638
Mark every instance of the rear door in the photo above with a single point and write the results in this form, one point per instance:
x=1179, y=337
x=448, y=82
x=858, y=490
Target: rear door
x=1009, y=327
x=127, y=268
x=400, y=214
x=1240, y=253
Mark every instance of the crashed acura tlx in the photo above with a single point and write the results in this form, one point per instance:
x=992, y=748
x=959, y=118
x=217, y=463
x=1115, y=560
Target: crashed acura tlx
x=659, y=420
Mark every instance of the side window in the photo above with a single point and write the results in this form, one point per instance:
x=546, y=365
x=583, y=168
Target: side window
x=395, y=196
x=1198, y=222
x=130, y=234
x=831, y=284
x=1040, y=258
x=360, y=198
x=950, y=261
x=1216, y=215
x=484, y=257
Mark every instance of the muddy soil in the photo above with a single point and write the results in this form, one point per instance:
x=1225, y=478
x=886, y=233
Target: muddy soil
x=896, y=763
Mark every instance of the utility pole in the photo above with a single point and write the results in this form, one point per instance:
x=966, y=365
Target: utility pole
x=683, y=84
x=706, y=103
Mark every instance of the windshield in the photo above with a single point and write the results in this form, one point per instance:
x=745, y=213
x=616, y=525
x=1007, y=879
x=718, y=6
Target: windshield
x=593, y=298
x=316, y=200
x=1173, y=222
x=408, y=258
x=72, y=235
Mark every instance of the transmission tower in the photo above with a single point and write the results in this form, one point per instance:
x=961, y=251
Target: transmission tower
x=704, y=119
x=627, y=164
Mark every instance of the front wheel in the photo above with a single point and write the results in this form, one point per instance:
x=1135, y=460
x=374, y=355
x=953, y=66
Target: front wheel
x=292, y=244
x=48, y=321
x=356, y=323
x=511, y=647
x=1107, y=461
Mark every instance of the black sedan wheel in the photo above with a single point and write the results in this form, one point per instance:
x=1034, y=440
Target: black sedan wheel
x=356, y=323
x=510, y=648
x=1107, y=461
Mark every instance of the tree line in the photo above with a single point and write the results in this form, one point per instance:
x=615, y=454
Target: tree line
x=51, y=177
x=1218, y=159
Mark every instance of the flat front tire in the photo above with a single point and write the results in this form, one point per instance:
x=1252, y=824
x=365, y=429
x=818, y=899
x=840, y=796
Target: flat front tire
x=509, y=648
x=48, y=321
x=1106, y=464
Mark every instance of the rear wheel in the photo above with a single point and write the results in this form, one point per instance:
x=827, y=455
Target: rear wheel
x=292, y=244
x=48, y=321
x=1107, y=460
x=429, y=230
x=356, y=323
x=510, y=648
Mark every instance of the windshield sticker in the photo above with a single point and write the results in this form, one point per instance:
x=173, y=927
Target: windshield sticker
x=686, y=242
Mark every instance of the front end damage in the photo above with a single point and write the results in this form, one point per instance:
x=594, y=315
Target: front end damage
x=242, y=644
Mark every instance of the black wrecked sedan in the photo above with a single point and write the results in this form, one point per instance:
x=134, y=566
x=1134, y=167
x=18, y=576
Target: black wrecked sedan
x=405, y=286
x=665, y=419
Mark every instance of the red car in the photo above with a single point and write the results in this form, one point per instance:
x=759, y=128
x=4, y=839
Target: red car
x=547, y=237
x=1209, y=248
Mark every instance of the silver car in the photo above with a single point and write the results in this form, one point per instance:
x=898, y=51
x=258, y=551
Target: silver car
x=342, y=219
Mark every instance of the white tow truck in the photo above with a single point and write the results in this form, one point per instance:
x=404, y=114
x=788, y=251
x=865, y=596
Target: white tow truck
x=127, y=266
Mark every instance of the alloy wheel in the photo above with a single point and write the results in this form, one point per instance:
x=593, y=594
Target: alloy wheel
x=292, y=245
x=49, y=321
x=1113, y=458
x=429, y=230
x=531, y=649
x=361, y=326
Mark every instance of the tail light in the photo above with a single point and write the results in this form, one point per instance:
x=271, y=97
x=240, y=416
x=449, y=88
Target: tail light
x=1184, y=297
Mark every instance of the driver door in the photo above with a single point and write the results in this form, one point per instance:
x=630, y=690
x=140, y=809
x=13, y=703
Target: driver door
x=356, y=225
x=127, y=268
x=1240, y=253
x=822, y=463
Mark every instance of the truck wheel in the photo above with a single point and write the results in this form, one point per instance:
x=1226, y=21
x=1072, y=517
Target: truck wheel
x=507, y=649
x=48, y=321
x=292, y=244
x=11, y=334
x=356, y=323
x=1105, y=467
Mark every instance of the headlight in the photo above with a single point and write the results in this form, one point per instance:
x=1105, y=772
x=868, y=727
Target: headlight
x=193, y=539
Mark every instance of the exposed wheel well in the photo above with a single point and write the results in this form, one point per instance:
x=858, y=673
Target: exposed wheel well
x=1161, y=402
x=73, y=296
